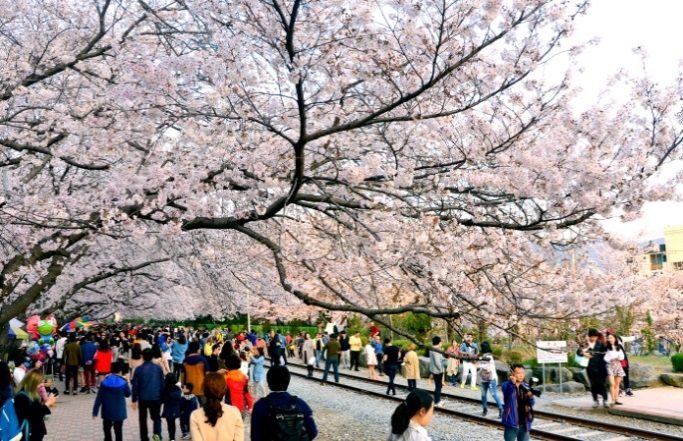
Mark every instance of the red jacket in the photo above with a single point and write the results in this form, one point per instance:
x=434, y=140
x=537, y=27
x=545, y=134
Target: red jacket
x=103, y=361
x=238, y=390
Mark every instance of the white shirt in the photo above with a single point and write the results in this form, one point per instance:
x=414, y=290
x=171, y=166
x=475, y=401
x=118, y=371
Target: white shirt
x=19, y=374
x=59, y=347
x=414, y=432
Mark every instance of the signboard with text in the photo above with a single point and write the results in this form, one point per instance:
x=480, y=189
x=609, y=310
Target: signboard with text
x=551, y=351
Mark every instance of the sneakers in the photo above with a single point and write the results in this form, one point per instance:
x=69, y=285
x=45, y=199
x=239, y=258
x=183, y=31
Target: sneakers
x=474, y=388
x=156, y=437
x=621, y=393
x=439, y=404
x=462, y=386
x=606, y=403
x=485, y=412
x=595, y=404
x=66, y=392
x=186, y=436
x=629, y=393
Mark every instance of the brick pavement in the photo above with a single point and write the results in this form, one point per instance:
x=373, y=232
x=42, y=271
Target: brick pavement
x=71, y=420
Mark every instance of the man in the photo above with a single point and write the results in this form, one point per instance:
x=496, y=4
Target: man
x=470, y=351
x=89, y=375
x=344, y=351
x=195, y=368
x=391, y=361
x=596, y=369
x=148, y=389
x=283, y=346
x=518, y=402
x=262, y=429
x=374, y=330
x=356, y=345
x=20, y=369
x=59, y=353
x=318, y=349
x=331, y=351
x=73, y=358
x=436, y=369
x=274, y=349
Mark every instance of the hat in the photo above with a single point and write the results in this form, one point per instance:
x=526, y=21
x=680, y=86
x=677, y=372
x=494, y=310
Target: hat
x=593, y=333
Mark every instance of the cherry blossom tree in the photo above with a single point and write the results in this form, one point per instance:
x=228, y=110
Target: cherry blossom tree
x=364, y=157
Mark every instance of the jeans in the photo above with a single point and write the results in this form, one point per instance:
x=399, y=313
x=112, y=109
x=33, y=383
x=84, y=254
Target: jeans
x=485, y=385
x=438, y=382
x=89, y=376
x=118, y=430
x=344, y=358
x=391, y=370
x=515, y=434
x=380, y=363
x=318, y=354
x=412, y=385
x=333, y=361
x=154, y=408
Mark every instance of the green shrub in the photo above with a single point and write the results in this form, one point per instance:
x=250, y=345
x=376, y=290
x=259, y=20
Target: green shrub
x=677, y=362
x=512, y=357
x=497, y=352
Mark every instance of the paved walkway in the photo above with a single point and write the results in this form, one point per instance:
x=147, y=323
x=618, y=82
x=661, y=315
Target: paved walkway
x=661, y=404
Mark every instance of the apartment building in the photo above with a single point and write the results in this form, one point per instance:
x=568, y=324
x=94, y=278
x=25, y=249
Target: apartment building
x=666, y=253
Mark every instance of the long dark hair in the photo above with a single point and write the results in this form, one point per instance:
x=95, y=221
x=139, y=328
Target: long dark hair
x=136, y=353
x=226, y=350
x=415, y=401
x=608, y=345
x=214, y=391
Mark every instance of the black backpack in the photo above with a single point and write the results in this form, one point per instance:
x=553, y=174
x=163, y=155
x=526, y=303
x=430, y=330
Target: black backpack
x=287, y=423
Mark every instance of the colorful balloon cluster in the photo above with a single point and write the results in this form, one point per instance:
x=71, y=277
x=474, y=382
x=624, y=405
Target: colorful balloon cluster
x=41, y=333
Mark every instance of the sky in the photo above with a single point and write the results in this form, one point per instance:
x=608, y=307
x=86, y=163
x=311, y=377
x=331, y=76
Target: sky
x=621, y=26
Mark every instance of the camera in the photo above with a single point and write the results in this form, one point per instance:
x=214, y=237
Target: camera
x=532, y=388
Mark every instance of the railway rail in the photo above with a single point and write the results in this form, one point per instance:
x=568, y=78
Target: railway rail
x=547, y=425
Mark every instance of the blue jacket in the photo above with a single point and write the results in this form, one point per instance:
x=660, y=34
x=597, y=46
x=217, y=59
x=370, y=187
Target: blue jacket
x=178, y=352
x=188, y=404
x=260, y=421
x=510, y=412
x=112, y=397
x=172, y=403
x=148, y=382
x=258, y=367
x=472, y=350
x=88, y=348
x=379, y=349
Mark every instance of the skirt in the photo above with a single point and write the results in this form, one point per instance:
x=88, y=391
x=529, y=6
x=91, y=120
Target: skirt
x=614, y=369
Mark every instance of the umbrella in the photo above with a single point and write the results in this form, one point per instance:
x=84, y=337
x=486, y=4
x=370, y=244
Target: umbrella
x=18, y=333
x=72, y=325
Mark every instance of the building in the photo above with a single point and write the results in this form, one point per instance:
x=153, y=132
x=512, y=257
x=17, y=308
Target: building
x=664, y=253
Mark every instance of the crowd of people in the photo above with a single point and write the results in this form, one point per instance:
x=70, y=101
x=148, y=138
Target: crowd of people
x=205, y=383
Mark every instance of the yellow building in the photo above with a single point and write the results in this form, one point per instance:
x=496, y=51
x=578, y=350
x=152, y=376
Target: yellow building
x=665, y=253
x=673, y=236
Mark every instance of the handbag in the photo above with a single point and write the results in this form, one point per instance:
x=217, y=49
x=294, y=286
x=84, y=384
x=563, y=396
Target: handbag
x=624, y=363
x=581, y=360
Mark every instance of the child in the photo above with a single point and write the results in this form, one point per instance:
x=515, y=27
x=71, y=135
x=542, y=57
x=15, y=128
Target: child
x=112, y=397
x=188, y=405
x=237, y=393
x=173, y=397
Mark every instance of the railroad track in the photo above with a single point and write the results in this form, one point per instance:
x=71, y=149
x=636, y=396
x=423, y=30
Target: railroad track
x=547, y=425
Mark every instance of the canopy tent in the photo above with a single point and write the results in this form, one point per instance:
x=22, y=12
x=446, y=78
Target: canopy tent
x=15, y=330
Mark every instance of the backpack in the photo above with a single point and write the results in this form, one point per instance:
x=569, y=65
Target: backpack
x=10, y=429
x=486, y=374
x=287, y=423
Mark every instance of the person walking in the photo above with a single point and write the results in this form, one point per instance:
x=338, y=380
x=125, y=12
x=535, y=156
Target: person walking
x=489, y=379
x=412, y=364
x=215, y=420
x=345, y=351
x=111, y=398
x=596, y=369
x=195, y=368
x=379, y=353
x=410, y=419
x=331, y=351
x=148, y=393
x=173, y=396
x=391, y=354
x=178, y=350
x=436, y=369
x=89, y=375
x=453, y=352
x=614, y=355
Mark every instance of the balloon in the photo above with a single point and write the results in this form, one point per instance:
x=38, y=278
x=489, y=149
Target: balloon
x=32, y=326
x=32, y=349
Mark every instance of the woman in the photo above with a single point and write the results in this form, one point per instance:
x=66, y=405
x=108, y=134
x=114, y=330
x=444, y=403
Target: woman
x=135, y=359
x=489, y=379
x=371, y=361
x=453, y=352
x=412, y=364
x=102, y=360
x=308, y=349
x=614, y=354
x=158, y=358
x=411, y=418
x=29, y=405
x=215, y=420
x=226, y=350
x=178, y=350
